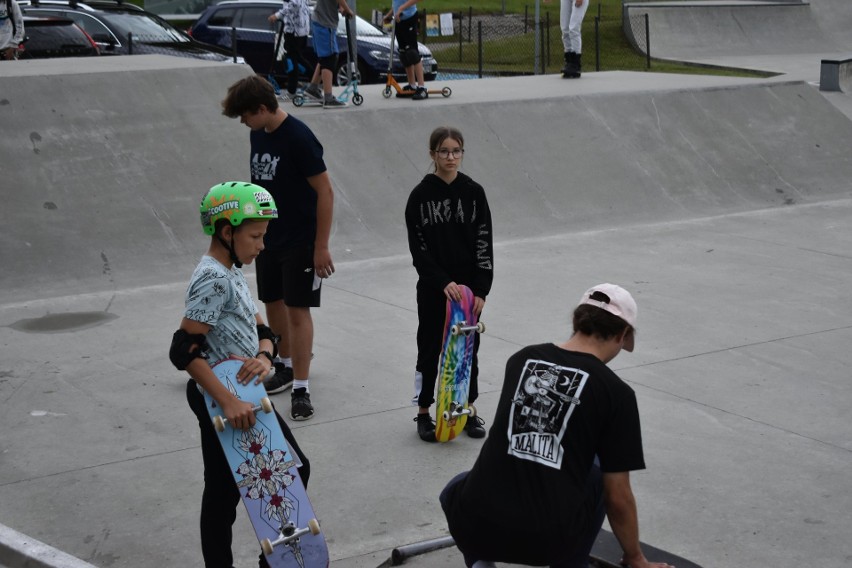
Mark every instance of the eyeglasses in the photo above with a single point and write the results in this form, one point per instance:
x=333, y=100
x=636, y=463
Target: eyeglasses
x=456, y=153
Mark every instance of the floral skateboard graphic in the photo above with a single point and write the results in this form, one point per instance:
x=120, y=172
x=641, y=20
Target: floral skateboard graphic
x=454, y=367
x=264, y=470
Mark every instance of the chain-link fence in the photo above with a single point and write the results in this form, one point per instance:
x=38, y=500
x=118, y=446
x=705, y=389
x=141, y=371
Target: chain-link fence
x=512, y=44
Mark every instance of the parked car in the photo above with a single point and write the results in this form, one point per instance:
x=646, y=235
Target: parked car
x=255, y=41
x=121, y=29
x=55, y=37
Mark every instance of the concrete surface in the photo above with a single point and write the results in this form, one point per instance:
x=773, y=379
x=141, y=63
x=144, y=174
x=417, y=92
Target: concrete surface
x=21, y=551
x=698, y=29
x=722, y=204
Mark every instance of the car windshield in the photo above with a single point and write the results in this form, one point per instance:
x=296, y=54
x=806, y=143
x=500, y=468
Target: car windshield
x=362, y=27
x=145, y=28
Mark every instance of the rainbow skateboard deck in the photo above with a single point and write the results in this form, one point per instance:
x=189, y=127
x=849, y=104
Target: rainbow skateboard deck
x=264, y=470
x=454, y=367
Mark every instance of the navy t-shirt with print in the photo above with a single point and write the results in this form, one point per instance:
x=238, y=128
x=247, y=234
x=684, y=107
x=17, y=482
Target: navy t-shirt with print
x=281, y=162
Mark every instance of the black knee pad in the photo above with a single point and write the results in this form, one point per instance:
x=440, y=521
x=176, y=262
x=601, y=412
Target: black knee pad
x=329, y=62
x=409, y=57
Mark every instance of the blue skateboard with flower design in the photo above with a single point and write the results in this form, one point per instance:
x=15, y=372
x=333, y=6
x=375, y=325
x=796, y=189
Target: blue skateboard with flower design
x=264, y=470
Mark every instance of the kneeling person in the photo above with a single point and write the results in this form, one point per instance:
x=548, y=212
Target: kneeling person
x=559, y=455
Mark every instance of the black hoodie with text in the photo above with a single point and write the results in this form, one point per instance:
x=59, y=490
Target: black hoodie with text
x=450, y=235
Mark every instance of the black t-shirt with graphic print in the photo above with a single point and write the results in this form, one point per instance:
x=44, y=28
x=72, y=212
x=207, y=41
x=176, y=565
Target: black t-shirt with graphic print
x=557, y=411
x=281, y=162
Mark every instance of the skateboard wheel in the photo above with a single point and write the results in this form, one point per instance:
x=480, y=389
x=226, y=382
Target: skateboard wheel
x=218, y=423
x=472, y=410
x=454, y=330
x=298, y=100
x=266, y=405
x=480, y=327
x=387, y=92
x=446, y=91
x=313, y=526
x=357, y=99
x=266, y=547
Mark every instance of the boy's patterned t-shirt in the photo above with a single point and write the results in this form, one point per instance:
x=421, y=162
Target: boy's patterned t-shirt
x=220, y=297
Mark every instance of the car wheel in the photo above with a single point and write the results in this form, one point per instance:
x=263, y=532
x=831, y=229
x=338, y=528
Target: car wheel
x=341, y=78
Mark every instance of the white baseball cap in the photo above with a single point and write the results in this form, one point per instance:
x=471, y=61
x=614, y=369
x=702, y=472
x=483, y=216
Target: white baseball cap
x=618, y=302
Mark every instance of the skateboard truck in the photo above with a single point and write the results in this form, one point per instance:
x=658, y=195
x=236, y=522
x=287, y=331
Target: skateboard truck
x=289, y=533
x=265, y=406
x=462, y=327
x=456, y=410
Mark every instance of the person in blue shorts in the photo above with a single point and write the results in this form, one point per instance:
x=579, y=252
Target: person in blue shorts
x=324, y=27
x=221, y=321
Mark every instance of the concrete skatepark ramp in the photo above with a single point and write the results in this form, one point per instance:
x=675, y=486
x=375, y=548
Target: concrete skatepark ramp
x=105, y=169
x=723, y=204
x=704, y=29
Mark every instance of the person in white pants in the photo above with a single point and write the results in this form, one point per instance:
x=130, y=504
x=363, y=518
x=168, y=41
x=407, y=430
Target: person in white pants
x=571, y=16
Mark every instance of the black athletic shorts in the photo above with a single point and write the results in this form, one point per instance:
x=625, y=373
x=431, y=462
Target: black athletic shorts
x=288, y=275
x=406, y=32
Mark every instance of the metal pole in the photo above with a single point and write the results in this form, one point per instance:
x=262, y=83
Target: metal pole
x=400, y=554
x=597, y=43
x=647, y=42
x=479, y=33
x=234, y=43
x=130, y=43
x=547, y=40
x=537, y=37
x=461, y=33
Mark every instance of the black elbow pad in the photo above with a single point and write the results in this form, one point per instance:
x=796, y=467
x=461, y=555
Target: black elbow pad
x=186, y=347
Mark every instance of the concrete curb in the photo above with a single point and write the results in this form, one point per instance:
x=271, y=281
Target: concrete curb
x=18, y=550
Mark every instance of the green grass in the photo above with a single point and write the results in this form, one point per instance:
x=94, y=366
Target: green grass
x=516, y=54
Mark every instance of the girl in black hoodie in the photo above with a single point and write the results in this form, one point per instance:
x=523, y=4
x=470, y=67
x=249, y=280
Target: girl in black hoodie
x=450, y=238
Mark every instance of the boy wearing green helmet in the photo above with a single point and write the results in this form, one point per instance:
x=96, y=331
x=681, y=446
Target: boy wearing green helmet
x=221, y=320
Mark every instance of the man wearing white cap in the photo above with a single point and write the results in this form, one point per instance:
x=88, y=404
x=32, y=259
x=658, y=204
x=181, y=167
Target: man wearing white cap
x=560, y=451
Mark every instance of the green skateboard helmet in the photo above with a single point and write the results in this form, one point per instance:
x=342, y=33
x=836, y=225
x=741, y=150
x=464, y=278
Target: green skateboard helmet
x=235, y=201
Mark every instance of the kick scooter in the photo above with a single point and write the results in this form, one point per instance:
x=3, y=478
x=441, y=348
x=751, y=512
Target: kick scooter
x=352, y=77
x=392, y=84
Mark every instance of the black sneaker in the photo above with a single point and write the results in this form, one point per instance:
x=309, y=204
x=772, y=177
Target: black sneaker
x=301, y=407
x=314, y=92
x=332, y=102
x=420, y=94
x=280, y=381
x=425, y=427
x=475, y=427
x=407, y=91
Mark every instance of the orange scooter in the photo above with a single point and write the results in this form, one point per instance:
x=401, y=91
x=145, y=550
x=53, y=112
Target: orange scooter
x=392, y=84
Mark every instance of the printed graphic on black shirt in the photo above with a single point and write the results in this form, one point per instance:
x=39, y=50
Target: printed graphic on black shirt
x=263, y=166
x=544, y=401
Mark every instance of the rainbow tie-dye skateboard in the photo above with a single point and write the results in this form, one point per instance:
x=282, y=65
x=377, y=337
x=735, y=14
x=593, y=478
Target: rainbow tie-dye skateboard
x=454, y=367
